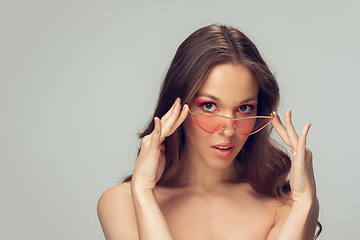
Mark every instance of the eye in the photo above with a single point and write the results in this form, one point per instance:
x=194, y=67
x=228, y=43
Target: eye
x=247, y=109
x=208, y=106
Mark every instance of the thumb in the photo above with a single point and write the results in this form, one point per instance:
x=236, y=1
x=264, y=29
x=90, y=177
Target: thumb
x=156, y=134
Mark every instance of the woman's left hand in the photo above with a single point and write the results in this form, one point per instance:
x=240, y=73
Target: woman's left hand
x=302, y=181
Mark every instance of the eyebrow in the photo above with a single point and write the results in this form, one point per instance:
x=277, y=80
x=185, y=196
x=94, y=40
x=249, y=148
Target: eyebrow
x=208, y=96
x=218, y=100
x=249, y=100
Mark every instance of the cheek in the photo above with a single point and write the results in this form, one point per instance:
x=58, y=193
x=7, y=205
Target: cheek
x=193, y=132
x=190, y=127
x=241, y=139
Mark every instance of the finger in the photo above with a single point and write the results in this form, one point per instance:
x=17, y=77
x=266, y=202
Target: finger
x=183, y=115
x=293, y=137
x=301, y=148
x=280, y=129
x=171, y=119
x=168, y=114
x=156, y=134
x=178, y=121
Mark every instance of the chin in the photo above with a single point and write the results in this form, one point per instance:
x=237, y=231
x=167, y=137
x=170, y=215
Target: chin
x=220, y=163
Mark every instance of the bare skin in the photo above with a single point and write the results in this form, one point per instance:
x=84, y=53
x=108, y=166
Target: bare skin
x=209, y=198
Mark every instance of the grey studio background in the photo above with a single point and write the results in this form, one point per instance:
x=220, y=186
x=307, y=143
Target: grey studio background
x=79, y=79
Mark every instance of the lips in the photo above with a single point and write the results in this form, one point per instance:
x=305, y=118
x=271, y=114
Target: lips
x=223, y=149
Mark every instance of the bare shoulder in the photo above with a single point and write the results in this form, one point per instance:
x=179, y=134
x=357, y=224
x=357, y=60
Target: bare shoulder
x=283, y=207
x=282, y=210
x=115, y=196
x=281, y=204
x=116, y=213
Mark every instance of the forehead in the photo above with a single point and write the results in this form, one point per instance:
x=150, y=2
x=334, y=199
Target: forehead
x=230, y=83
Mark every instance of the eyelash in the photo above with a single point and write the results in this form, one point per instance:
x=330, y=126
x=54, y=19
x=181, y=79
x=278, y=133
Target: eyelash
x=247, y=105
x=202, y=105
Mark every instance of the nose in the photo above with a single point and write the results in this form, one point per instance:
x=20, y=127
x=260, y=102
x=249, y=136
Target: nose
x=228, y=129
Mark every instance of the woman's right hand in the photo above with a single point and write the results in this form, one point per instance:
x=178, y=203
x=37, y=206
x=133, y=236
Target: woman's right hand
x=151, y=160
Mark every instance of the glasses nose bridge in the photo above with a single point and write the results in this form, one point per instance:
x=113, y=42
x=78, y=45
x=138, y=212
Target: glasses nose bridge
x=226, y=122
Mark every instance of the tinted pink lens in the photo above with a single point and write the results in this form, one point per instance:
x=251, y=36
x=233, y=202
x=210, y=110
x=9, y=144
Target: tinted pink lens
x=213, y=123
x=209, y=123
x=249, y=126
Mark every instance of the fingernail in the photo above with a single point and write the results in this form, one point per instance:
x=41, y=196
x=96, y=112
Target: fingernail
x=276, y=115
x=177, y=99
x=289, y=112
x=184, y=107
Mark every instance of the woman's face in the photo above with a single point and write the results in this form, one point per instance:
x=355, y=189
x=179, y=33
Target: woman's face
x=229, y=90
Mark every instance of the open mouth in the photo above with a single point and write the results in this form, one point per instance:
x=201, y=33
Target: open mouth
x=222, y=148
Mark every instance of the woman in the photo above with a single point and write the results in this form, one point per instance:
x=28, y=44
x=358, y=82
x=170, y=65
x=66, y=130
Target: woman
x=203, y=176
